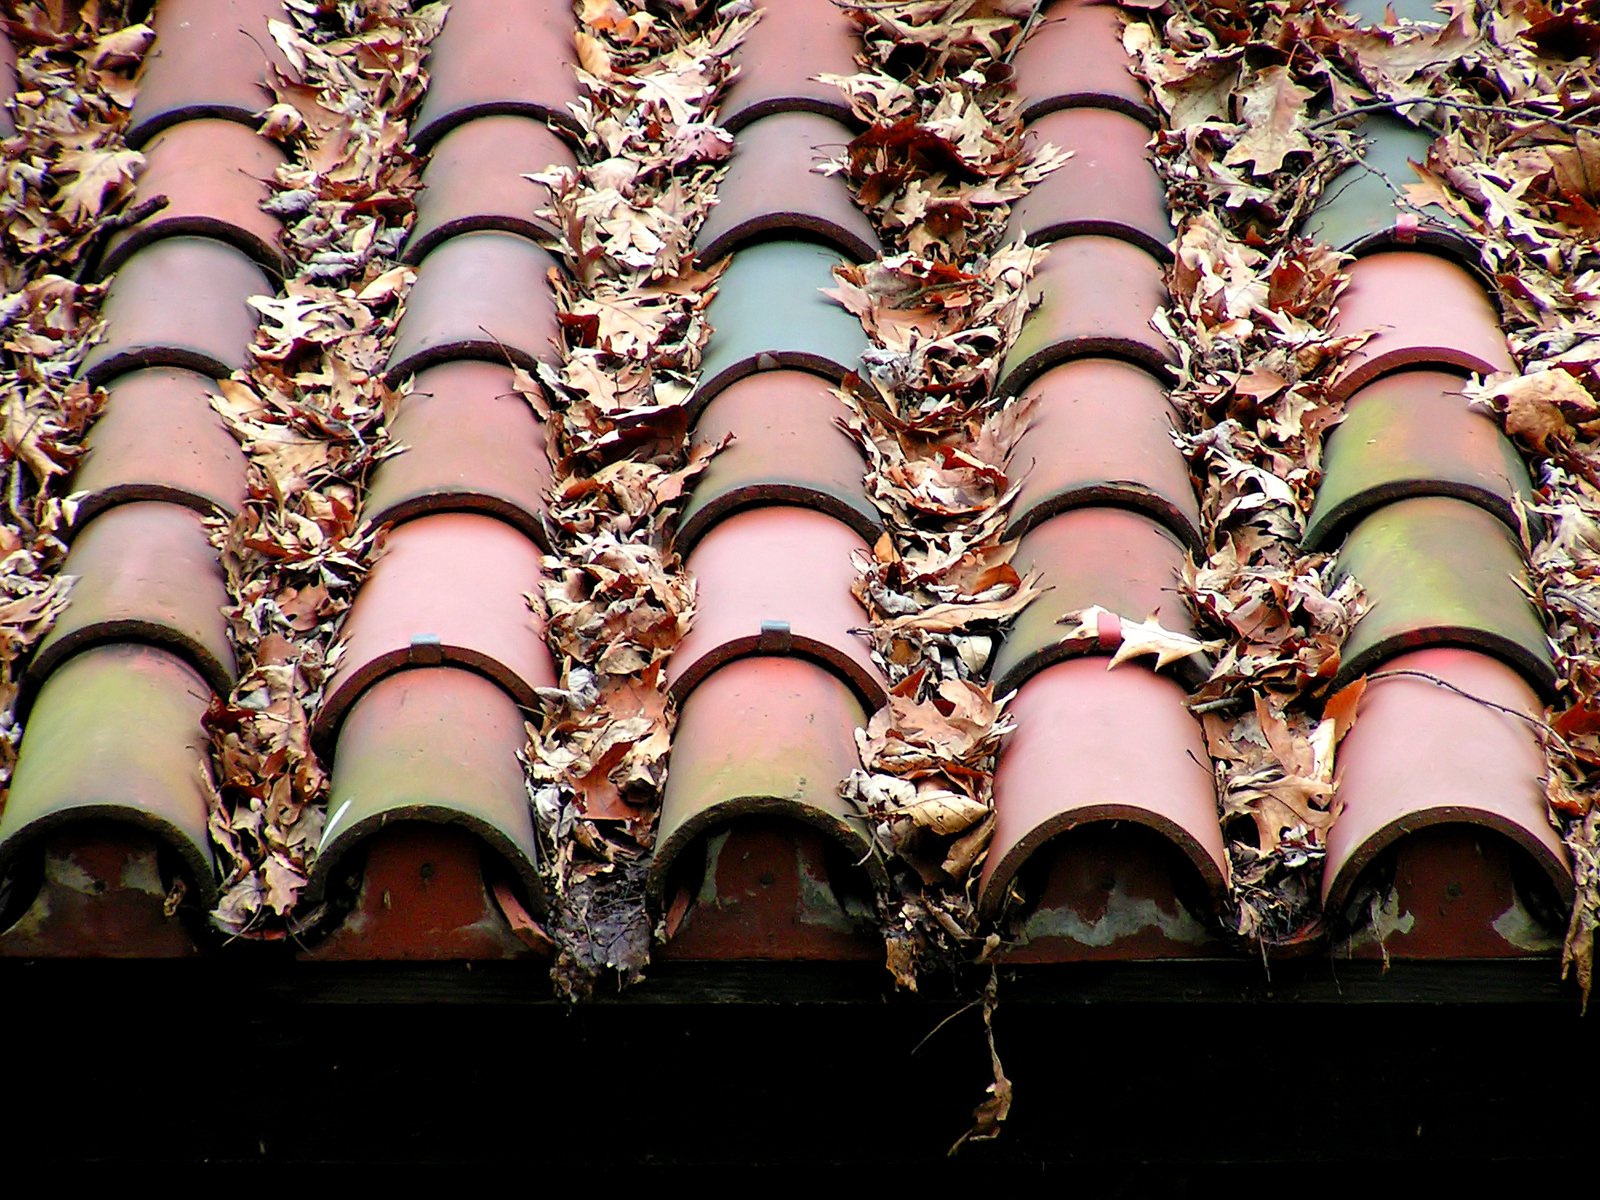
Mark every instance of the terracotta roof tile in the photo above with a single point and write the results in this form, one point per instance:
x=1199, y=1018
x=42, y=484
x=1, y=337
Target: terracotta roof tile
x=213, y=176
x=159, y=438
x=787, y=449
x=776, y=580
x=1094, y=295
x=211, y=58
x=1446, y=319
x=1074, y=58
x=761, y=748
x=1428, y=750
x=481, y=296
x=179, y=302
x=770, y=191
x=1102, y=434
x=449, y=588
x=115, y=738
x=475, y=180
x=789, y=46
x=1442, y=572
x=493, y=58
x=1095, y=746
x=471, y=444
x=1412, y=434
x=430, y=746
x=769, y=313
x=1107, y=187
x=1112, y=557
x=1358, y=211
x=146, y=572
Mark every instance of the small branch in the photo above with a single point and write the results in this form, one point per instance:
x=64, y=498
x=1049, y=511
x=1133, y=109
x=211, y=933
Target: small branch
x=1577, y=127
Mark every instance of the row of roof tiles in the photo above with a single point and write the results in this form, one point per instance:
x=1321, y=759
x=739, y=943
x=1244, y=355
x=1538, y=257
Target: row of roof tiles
x=1108, y=838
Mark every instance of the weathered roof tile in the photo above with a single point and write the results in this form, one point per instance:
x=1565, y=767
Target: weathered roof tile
x=769, y=312
x=159, y=438
x=483, y=296
x=1112, y=557
x=213, y=176
x=146, y=572
x=787, y=449
x=776, y=581
x=475, y=179
x=771, y=191
x=431, y=746
x=1439, y=741
x=1095, y=746
x=492, y=59
x=1412, y=434
x=179, y=302
x=1440, y=571
x=211, y=58
x=449, y=588
x=1422, y=311
x=1108, y=186
x=115, y=738
x=1102, y=433
x=471, y=443
x=1094, y=295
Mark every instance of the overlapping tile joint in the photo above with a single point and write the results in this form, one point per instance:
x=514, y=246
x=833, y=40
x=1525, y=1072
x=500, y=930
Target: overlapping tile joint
x=1108, y=843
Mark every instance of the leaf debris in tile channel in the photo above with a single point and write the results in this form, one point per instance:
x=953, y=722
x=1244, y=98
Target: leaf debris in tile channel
x=390, y=402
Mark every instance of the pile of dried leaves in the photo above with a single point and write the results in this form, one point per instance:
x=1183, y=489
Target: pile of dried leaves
x=936, y=168
x=310, y=415
x=617, y=596
x=65, y=178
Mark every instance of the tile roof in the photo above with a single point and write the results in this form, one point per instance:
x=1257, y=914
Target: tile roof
x=1107, y=841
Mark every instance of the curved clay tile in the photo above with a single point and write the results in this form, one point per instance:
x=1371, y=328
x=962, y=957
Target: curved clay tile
x=1101, y=433
x=211, y=58
x=1074, y=58
x=145, y=572
x=1092, y=296
x=482, y=296
x=1424, y=311
x=1412, y=434
x=213, y=176
x=765, y=742
x=1439, y=572
x=115, y=737
x=770, y=191
x=472, y=444
x=1094, y=746
x=1429, y=750
x=1358, y=211
x=493, y=58
x=1120, y=560
x=787, y=448
x=179, y=302
x=158, y=438
x=475, y=180
x=770, y=312
x=433, y=746
x=776, y=581
x=779, y=59
x=449, y=588
x=1109, y=186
